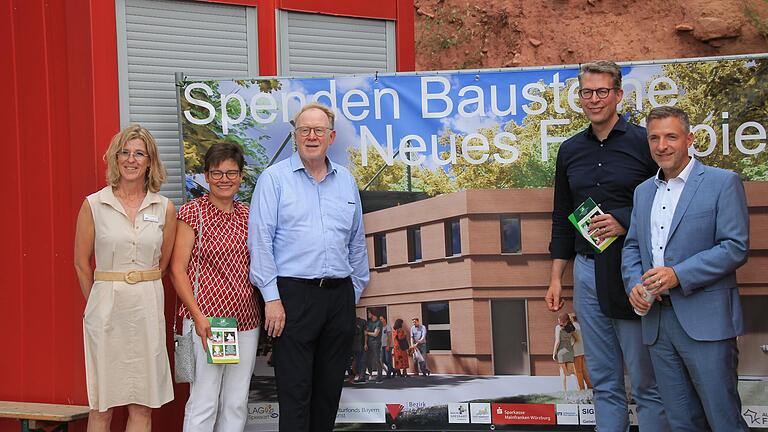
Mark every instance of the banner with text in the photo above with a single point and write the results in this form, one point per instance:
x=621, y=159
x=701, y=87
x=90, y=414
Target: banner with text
x=441, y=132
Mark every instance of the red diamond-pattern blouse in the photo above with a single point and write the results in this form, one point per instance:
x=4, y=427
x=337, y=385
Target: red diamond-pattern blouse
x=225, y=290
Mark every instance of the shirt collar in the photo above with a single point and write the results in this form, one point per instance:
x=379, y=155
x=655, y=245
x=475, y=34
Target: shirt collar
x=205, y=200
x=297, y=164
x=107, y=196
x=620, y=126
x=684, y=174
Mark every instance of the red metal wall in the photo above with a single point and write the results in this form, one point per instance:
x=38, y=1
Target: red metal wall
x=59, y=109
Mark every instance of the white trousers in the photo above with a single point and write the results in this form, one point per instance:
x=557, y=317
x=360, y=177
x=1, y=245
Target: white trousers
x=218, y=397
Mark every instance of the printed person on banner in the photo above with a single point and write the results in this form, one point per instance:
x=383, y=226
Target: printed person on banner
x=605, y=162
x=386, y=345
x=419, y=342
x=689, y=234
x=309, y=259
x=563, y=351
x=373, y=344
x=582, y=376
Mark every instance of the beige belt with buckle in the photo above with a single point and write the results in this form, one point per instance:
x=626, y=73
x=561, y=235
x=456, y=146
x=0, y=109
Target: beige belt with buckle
x=131, y=277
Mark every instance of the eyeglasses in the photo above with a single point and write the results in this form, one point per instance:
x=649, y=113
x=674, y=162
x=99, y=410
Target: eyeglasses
x=218, y=175
x=319, y=131
x=125, y=155
x=601, y=93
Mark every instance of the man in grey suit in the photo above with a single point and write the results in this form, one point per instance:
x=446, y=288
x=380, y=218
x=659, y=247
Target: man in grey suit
x=689, y=233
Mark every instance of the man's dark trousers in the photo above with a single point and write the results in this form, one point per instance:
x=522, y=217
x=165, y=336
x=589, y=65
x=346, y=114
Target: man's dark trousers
x=310, y=355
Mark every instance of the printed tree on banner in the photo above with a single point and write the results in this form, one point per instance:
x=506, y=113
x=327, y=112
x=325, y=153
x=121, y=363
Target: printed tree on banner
x=535, y=165
x=198, y=138
x=434, y=182
x=738, y=87
x=393, y=177
x=529, y=170
x=390, y=179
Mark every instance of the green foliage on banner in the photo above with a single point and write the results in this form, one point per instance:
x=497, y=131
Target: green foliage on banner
x=391, y=177
x=198, y=138
x=706, y=91
x=736, y=87
x=722, y=97
x=394, y=177
x=530, y=169
x=434, y=182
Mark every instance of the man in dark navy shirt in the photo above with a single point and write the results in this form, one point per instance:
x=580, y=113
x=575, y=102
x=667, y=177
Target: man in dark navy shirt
x=604, y=162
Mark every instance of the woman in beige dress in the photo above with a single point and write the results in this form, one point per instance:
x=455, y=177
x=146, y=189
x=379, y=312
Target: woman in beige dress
x=129, y=229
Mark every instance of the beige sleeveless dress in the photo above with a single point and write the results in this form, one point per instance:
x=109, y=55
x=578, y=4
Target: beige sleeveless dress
x=126, y=360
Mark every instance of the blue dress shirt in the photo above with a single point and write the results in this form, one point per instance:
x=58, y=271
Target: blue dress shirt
x=302, y=228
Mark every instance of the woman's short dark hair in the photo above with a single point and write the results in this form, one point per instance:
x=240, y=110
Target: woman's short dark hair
x=223, y=151
x=398, y=324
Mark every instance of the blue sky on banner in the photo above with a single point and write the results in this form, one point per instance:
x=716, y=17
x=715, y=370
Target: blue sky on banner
x=423, y=105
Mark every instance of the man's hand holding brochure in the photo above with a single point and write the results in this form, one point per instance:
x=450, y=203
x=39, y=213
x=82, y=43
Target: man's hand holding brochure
x=582, y=218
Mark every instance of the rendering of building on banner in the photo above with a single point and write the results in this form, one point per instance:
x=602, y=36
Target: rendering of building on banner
x=474, y=266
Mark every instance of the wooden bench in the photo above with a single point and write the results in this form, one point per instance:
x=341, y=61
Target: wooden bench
x=35, y=416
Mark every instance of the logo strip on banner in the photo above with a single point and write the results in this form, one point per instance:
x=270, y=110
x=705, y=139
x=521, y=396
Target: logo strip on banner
x=755, y=416
x=458, y=413
x=530, y=414
x=263, y=413
x=567, y=414
x=368, y=412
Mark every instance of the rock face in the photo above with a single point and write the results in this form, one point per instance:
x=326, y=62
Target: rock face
x=457, y=34
x=710, y=28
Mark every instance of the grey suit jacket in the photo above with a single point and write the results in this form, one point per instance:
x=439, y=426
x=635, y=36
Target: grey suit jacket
x=708, y=240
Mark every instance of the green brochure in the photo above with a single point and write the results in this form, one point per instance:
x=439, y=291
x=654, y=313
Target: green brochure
x=223, y=347
x=582, y=217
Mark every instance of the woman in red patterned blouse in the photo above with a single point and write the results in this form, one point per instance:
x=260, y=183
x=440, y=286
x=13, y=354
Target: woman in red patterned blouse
x=211, y=245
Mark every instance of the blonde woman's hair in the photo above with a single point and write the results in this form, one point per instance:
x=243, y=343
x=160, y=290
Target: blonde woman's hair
x=155, y=174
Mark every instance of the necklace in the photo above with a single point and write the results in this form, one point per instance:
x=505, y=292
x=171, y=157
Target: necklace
x=130, y=203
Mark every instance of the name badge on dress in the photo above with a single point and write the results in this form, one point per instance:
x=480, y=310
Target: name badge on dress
x=151, y=218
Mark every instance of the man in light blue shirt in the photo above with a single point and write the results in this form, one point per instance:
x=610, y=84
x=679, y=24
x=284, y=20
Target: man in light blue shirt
x=309, y=260
x=419, y=341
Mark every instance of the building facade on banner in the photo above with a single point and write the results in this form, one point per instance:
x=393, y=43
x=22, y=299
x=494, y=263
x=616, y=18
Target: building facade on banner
x=75, y=72
x=474, y=267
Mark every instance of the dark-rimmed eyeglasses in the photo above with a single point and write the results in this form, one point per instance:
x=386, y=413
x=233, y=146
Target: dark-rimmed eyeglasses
x=125, y=155
x=218, y=175
x=602, y=93
x=319, y=131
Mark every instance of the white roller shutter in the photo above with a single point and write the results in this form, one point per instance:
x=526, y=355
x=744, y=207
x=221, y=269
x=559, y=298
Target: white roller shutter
x=157, y=38
x=324, y=45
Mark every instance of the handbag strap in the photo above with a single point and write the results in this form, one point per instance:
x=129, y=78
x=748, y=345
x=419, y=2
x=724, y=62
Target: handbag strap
x=196, y=282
